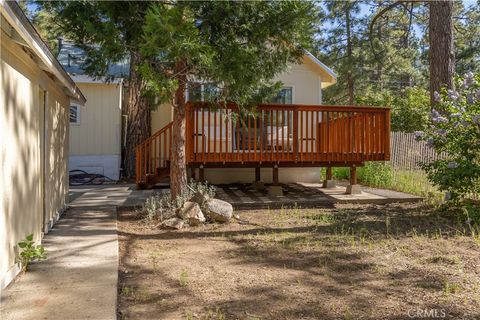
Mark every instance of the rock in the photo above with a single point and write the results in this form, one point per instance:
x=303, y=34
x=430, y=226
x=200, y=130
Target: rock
x=200, y=197
x=191, y=212
x=219, y=210
x=172, y=223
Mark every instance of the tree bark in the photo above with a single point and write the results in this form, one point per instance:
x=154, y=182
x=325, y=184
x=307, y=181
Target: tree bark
x=178, y=169
x=138, y=125
x=442, y=57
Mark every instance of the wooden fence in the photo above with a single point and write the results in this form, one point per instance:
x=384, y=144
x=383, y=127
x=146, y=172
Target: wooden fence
x=408, y=153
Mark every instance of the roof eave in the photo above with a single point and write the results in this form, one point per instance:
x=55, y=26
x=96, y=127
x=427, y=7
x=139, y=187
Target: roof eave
x=17, y=19
x=329, y=71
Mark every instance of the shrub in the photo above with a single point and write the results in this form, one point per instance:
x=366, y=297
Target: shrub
x=30, y=252
x=383, y=175
x=161, y=206
x=455, y=129
x=410, y=107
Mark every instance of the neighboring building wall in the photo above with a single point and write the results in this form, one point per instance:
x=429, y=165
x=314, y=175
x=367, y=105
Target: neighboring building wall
x=22, y=155
x=306, y=82
x=95, y=141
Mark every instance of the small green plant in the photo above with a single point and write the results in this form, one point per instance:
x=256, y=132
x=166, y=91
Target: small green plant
x=30, y=252
x=184, y=277
x=450, y=288
x=127, y=291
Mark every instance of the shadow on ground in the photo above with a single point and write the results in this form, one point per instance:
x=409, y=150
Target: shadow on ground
x=363, y=262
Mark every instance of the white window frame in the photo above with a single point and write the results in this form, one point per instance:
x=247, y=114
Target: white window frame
x=77, y=122
x=292, y=87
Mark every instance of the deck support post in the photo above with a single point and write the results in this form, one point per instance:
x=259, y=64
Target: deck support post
x=275, y=189
x=201, y=174
x=353, y=187
x=192, y=173
x=329, y=182
x=275, y=175
x=258, y=184
x=257, y=174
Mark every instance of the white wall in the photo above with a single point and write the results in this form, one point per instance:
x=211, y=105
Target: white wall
x=95, y=143
x=247, y=175
x=107, y=165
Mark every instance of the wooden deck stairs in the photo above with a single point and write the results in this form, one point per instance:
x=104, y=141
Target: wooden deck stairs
x=153, y=158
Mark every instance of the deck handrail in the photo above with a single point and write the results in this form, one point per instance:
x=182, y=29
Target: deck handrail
x=304, y=133
x=153, y=153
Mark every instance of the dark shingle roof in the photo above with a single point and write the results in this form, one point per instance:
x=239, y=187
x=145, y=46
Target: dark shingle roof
x=72, y=58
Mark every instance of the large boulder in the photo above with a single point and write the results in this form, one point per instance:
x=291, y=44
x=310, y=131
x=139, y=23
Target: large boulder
x=172, y=223
x=218, y=210
x=191, y=212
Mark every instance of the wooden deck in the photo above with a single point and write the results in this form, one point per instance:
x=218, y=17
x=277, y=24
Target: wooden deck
x=276, y=134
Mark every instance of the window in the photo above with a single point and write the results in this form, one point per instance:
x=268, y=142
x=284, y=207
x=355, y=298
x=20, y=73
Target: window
x=285, y=96
x=74, y=114
x=201, y=91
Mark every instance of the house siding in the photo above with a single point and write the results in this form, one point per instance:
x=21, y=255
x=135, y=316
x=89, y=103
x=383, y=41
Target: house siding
x=25, y=149
x=95, y=142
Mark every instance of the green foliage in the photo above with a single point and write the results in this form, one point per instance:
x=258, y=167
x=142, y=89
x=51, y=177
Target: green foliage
x=394, y=54
x=383, y=175
x=162, y=206
x=455, y=130
x=410, y=107
x=108, y=31
x=384, y=61
x=238, y=47
x=30, y=252
x=467, y=38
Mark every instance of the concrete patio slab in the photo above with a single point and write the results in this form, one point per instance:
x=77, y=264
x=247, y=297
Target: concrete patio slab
x=242, y=196
x=245, y=196
x=108, y=195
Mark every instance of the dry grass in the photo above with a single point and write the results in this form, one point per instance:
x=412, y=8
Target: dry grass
x=352, y=262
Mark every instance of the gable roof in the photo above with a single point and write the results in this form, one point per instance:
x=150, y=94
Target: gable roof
x=21, y=30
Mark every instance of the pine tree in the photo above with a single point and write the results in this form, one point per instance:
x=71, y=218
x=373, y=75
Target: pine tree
x=338, y=45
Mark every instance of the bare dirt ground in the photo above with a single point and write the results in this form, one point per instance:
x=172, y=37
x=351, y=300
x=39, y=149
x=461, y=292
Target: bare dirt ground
x=350, y=262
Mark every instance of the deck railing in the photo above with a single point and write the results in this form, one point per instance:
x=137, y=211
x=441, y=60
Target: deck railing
x=288, y=134
x=153, y=154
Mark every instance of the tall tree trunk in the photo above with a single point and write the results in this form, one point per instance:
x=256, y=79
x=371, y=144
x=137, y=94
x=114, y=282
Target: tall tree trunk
x=350, y=83
x=442, y=57
x=178, y=169
x=138, y=126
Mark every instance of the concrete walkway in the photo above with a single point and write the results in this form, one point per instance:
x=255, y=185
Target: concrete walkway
x=79, y=278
